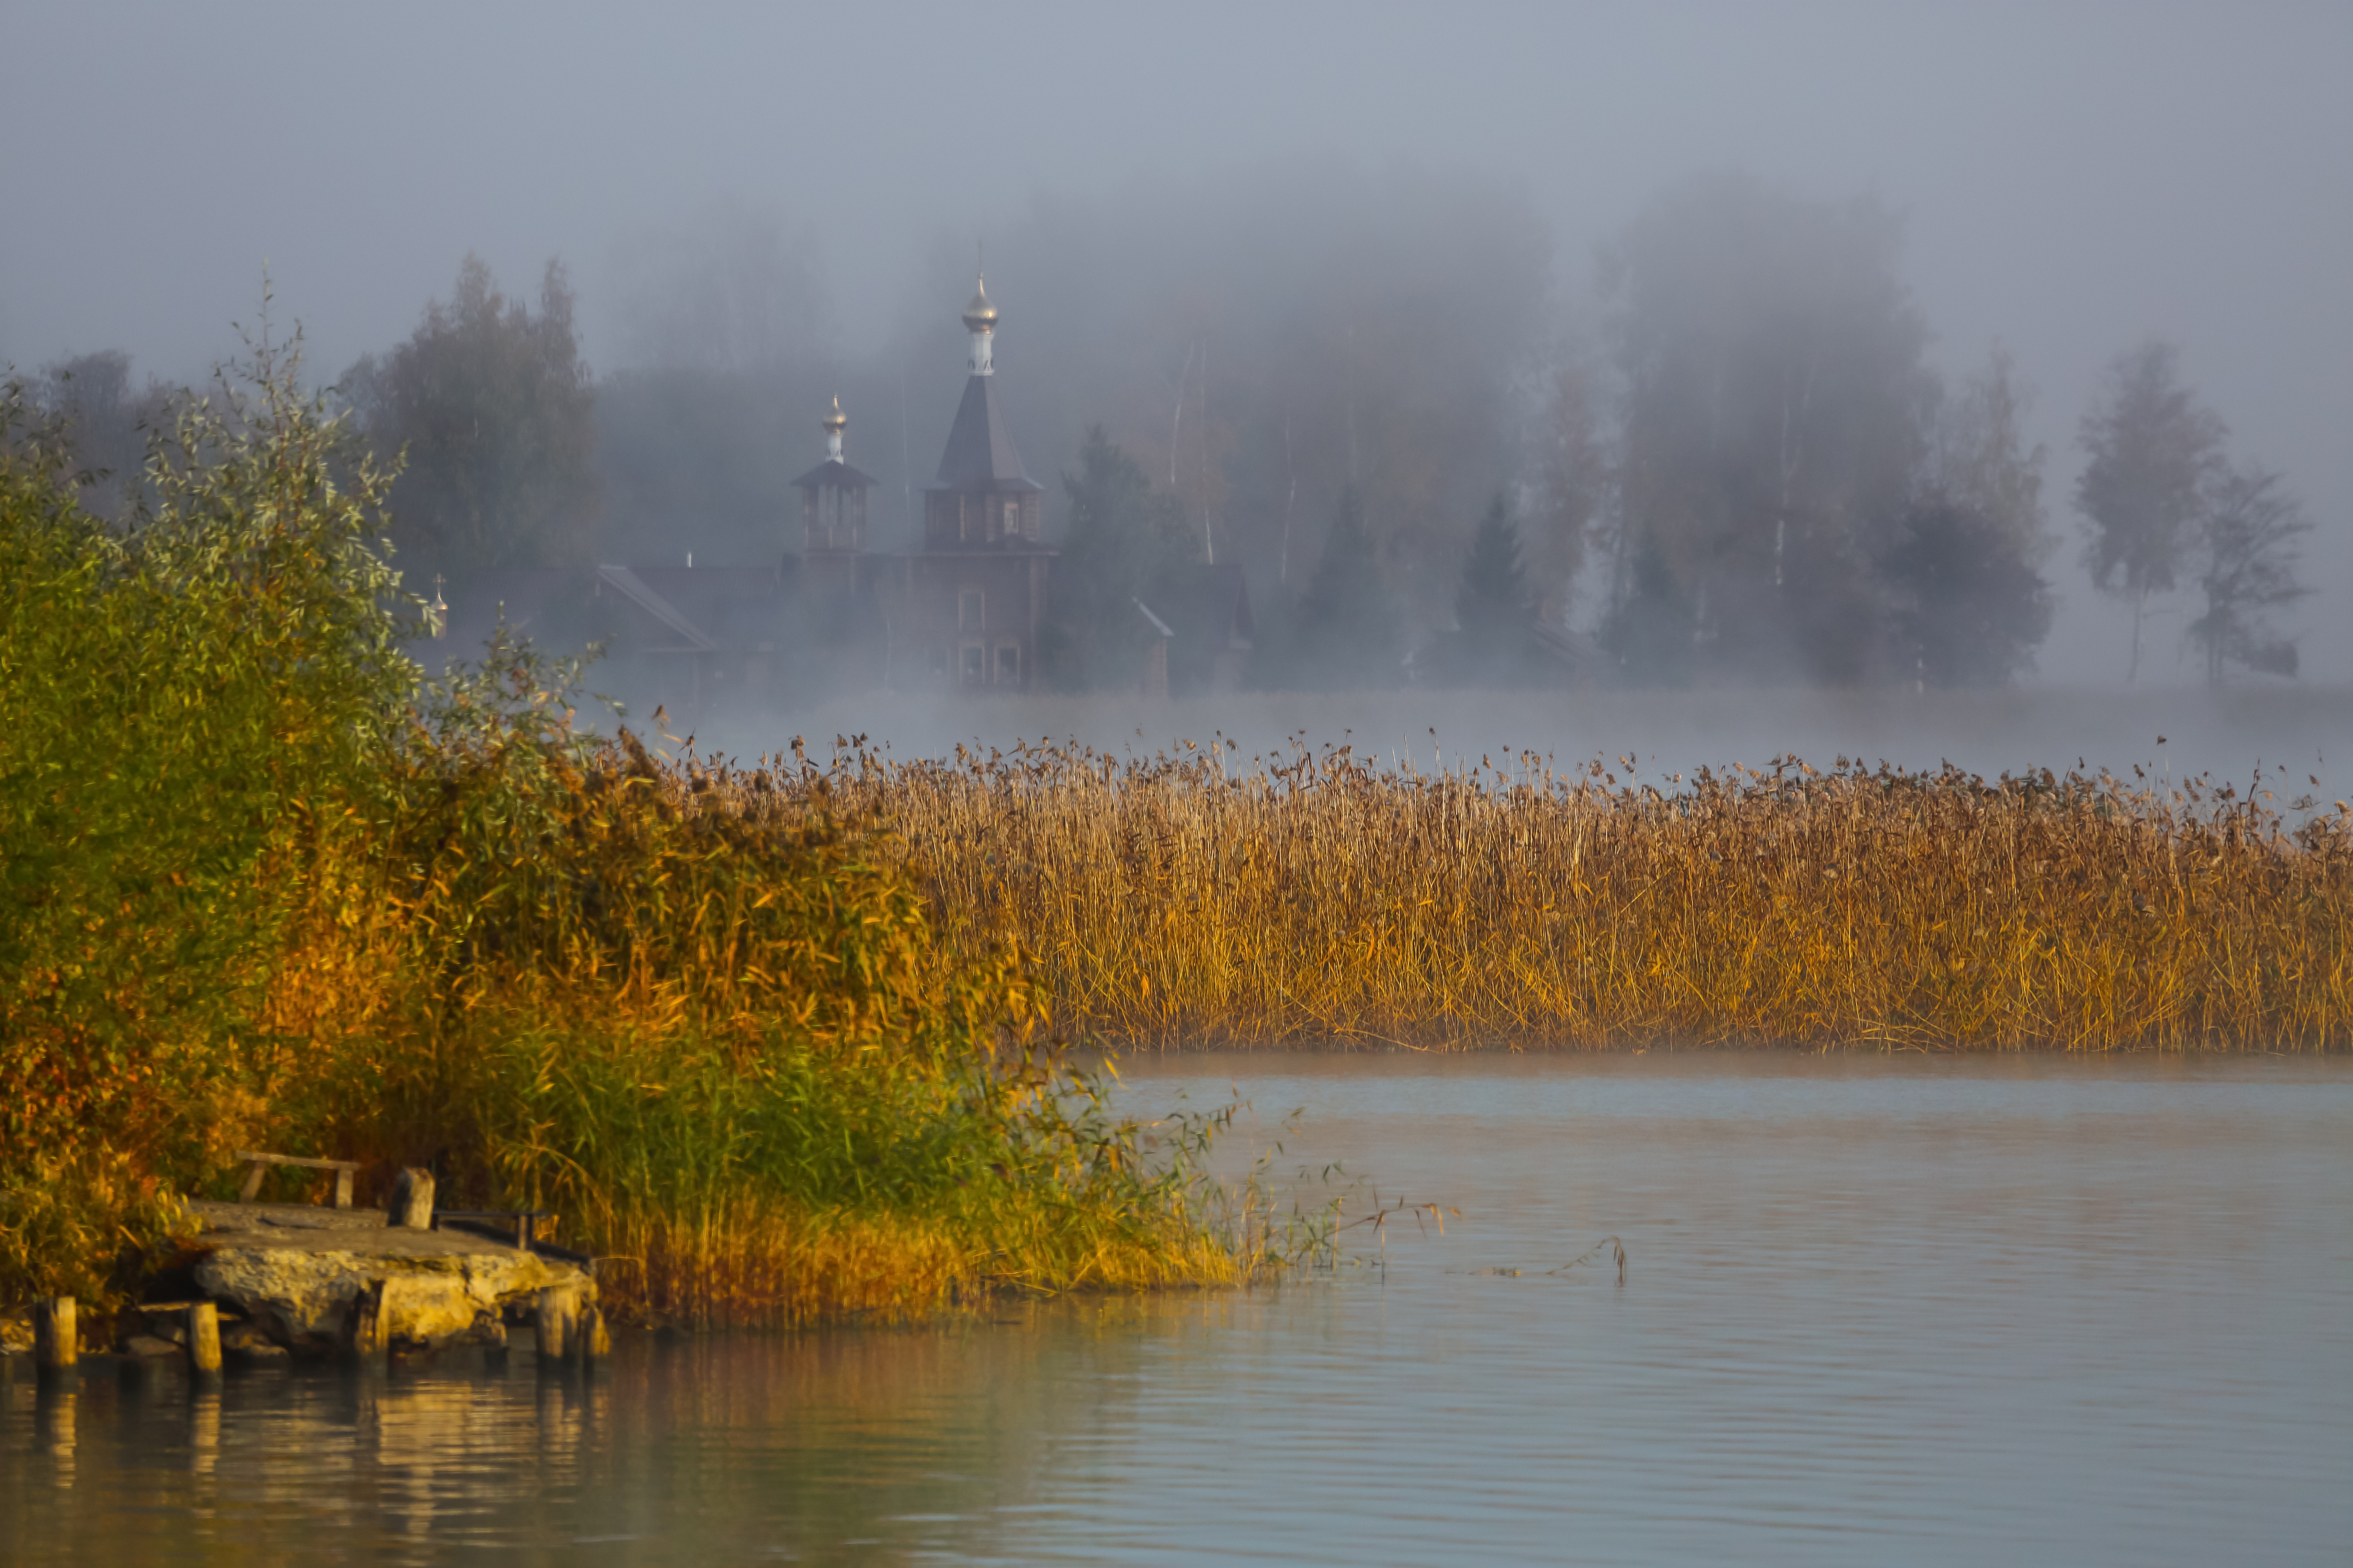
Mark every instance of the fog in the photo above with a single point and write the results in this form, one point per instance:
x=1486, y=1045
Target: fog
x=795, y=200
x=2295, y=738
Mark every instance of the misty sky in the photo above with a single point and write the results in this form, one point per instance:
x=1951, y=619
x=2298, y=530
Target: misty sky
x=2076, y=177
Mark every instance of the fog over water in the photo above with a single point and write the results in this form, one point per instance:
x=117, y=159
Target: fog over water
x=2295, y=736
x=2073, y=179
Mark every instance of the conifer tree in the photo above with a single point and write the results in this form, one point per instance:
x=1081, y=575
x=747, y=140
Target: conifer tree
x=1971, y=608
x=1348, y=633
x=1123, y=543
x=1493, y=642
x=1967, y=604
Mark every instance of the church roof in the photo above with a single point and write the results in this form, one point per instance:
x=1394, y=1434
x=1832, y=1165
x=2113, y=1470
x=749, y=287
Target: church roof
x=980, y=455
x=836, y=474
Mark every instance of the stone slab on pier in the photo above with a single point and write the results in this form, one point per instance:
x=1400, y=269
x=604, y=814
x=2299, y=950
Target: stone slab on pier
x=295, y=1271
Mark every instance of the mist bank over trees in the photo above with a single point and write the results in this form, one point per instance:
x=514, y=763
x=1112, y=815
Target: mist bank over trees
x=1437, y=456
x=1261, y=345
x=1738, y=463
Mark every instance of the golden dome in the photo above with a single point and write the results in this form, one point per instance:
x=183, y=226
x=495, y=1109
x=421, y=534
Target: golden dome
x=837, y=421
x=980, y=316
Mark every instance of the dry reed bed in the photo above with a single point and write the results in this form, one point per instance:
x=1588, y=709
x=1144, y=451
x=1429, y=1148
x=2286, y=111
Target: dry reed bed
x=1193, y=897
x=725, y=1047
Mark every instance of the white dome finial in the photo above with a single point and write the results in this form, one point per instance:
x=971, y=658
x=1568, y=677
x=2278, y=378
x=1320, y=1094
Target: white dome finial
x=980, y=320
x=835, y=423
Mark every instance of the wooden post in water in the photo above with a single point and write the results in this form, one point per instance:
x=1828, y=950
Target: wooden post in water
x=204, y=1339
x=56, y=1336
x=596, y=1343
x=412, y=1200
x=559, y=1325
x=364, y=1336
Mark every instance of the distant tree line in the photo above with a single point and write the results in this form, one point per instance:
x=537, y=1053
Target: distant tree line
x=1755, y=477
x=105, y=421
x=1356, y=388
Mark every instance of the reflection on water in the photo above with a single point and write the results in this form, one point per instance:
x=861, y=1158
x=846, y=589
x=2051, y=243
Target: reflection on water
x=1878, y=1310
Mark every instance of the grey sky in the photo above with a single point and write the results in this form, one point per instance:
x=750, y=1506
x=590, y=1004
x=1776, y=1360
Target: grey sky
x=2076, y=176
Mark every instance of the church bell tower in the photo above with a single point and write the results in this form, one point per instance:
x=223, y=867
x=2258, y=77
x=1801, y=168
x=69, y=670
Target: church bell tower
x=982, y=497
x=975, y=590
x=833, y=496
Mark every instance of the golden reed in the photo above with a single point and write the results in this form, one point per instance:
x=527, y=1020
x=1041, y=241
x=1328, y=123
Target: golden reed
x=1192, y=899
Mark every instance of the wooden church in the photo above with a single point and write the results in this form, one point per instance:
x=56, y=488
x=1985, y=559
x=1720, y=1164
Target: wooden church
x=962, y=610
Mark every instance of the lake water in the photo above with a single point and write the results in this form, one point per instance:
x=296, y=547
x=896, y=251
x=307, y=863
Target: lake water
x=1876, y=1310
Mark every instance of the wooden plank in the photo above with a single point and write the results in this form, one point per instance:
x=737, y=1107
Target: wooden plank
x=255, y=1157
x=525, y=1221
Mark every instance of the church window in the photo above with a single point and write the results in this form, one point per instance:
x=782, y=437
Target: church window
x=1008, y=664
x=975, y=664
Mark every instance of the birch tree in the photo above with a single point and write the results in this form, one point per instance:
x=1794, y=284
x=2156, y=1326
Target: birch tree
x=2247, y=558
x=2152, y=452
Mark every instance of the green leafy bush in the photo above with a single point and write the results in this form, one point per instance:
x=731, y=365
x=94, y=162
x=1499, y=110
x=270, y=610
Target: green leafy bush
x=266, y=886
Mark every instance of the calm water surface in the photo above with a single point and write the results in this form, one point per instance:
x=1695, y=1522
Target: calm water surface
x=1877, y=1311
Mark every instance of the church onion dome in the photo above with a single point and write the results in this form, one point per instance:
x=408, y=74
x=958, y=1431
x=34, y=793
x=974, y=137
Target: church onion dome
x=834, y=473
x=980, y=316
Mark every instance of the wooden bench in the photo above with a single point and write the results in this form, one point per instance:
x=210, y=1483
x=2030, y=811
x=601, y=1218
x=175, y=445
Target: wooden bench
x=262, y=1162
x=522, y=1220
